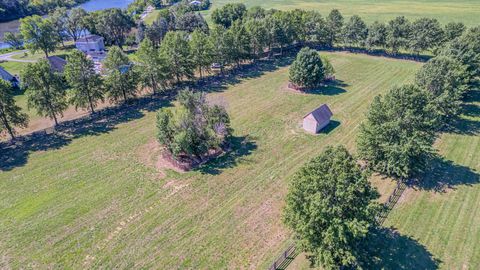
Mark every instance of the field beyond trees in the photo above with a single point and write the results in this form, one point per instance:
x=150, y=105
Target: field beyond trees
x=466, y=11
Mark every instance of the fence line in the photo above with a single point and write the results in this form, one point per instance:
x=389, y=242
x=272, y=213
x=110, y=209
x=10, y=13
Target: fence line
x=291, y=252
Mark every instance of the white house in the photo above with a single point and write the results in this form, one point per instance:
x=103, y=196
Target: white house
x=317, y=119
x=90, y=43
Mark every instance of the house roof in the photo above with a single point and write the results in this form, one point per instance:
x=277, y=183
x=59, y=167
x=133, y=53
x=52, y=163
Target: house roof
x=56, y=63
x=320, y=114
x=90, y=38
x=5, y=75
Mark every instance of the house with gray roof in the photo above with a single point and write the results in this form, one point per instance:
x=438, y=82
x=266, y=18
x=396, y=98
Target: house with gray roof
x=5, y=75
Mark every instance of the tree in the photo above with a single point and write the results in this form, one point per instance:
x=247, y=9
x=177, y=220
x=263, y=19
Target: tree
x=59, y=21
x=453, y=30
x=76, y=23
x=445, y=79
x=157, y=31
x=151, y=66
x=121, y=80
x=15, y=40
x=193, y=128
x=398, y=34
x=114, y=24
x=425, y=34
x=335, y=24
x=316, y=29
x=330, y=207
x=377, y=35
x=241, y=42
x=176, y=52
x=201, y=50
x=45, y=90
x=222, y=43
x=141, y=29
x=355, y=31
x=397, y=136
x=258, y=36
x=40, y=34
x=10, y=113
x=86, y=85
x=466, y=50
x=229, y=13
x=328, y=67
x=191, y=21
x=307, y=70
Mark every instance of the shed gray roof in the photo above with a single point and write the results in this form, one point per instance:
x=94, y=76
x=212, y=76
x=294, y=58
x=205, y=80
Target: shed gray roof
x=90, y=38
x=5, y=75
x=56, y=63
x=320, y=114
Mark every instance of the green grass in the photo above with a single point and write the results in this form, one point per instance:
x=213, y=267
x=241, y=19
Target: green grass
x=40, y=55
x=467, y=11
x=96, y=200
x=152, y=17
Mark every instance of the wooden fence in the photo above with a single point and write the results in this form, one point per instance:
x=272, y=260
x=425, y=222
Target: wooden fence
x=291, y=252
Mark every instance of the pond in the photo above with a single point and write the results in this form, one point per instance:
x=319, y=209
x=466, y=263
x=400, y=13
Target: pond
x=91, y=5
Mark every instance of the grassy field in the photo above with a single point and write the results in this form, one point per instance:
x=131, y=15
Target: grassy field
x=467, y=11
x=95, y=198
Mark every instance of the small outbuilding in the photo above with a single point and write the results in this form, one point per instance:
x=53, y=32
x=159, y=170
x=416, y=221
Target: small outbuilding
x=317, y=119
x=4, y=75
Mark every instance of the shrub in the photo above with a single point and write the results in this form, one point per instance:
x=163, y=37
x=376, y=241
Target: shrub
x=307, y=70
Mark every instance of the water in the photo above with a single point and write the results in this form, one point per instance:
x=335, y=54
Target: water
x=91, y=5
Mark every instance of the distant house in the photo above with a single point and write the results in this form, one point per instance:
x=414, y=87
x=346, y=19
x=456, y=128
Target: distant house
x=195, y=2
x=57, y=64
x=317, y=119
x=5, y=75
x=90, y=43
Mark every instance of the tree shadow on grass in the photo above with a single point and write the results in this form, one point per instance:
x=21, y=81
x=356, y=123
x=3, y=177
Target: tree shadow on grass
x=330, y=89
x=469, y=121
x=443, y=174
x=385, y=248
x=16, y=154
x=240, y=148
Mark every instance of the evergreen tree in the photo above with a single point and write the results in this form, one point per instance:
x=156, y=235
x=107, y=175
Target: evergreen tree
x=86, y=85
x=45, y=90
x=335, y=24
x=355, y=31
x=398, y=34
x=377, y=35
x=258, y=36
x=151, y=66
x=10, y=113
x=453, y=30
x=307, y=70
x=426, y=34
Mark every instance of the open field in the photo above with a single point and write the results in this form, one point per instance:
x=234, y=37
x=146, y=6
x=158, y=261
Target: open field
x=467, y=11
x=96, y=199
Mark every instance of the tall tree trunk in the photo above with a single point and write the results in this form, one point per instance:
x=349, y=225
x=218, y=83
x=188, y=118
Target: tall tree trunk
x=46, y=53
x=124, y=96
x=154, y=85
x=7, y=125
x=55, y=119
x=92, y=109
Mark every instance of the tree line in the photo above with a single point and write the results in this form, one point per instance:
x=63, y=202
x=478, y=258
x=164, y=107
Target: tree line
x=15, y=9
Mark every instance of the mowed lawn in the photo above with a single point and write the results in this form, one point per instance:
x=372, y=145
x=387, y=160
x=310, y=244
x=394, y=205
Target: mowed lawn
x=99, y=201
x=466, y=11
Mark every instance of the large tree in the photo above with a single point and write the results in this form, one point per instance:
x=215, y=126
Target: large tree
x=191, y=21
x=152, y=68
x=316, y=29
x=157, y=31
x=453, y=30
x=59, y=21
x=335, y=24
x=45, y=90
x=86, y=84
x=10, y=113
x=229, y=13
x=176, y=52
x=121, y=78
x=114, y=24
x=307, y=70
x=201, y=49
x=399, y=132
x=241, y=42
x=355, y=31
x=39, y=33
x=76, y=23
x=258, y=36
x=445, y=79
x=377, y=35
x=426, y=34
x=398, y=34
x=15, y=40
x=330, y=207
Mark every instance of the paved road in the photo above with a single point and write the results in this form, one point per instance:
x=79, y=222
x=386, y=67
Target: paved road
x=8, y=57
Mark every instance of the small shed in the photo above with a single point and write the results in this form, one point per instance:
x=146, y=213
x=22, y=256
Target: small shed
x=316, y=120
